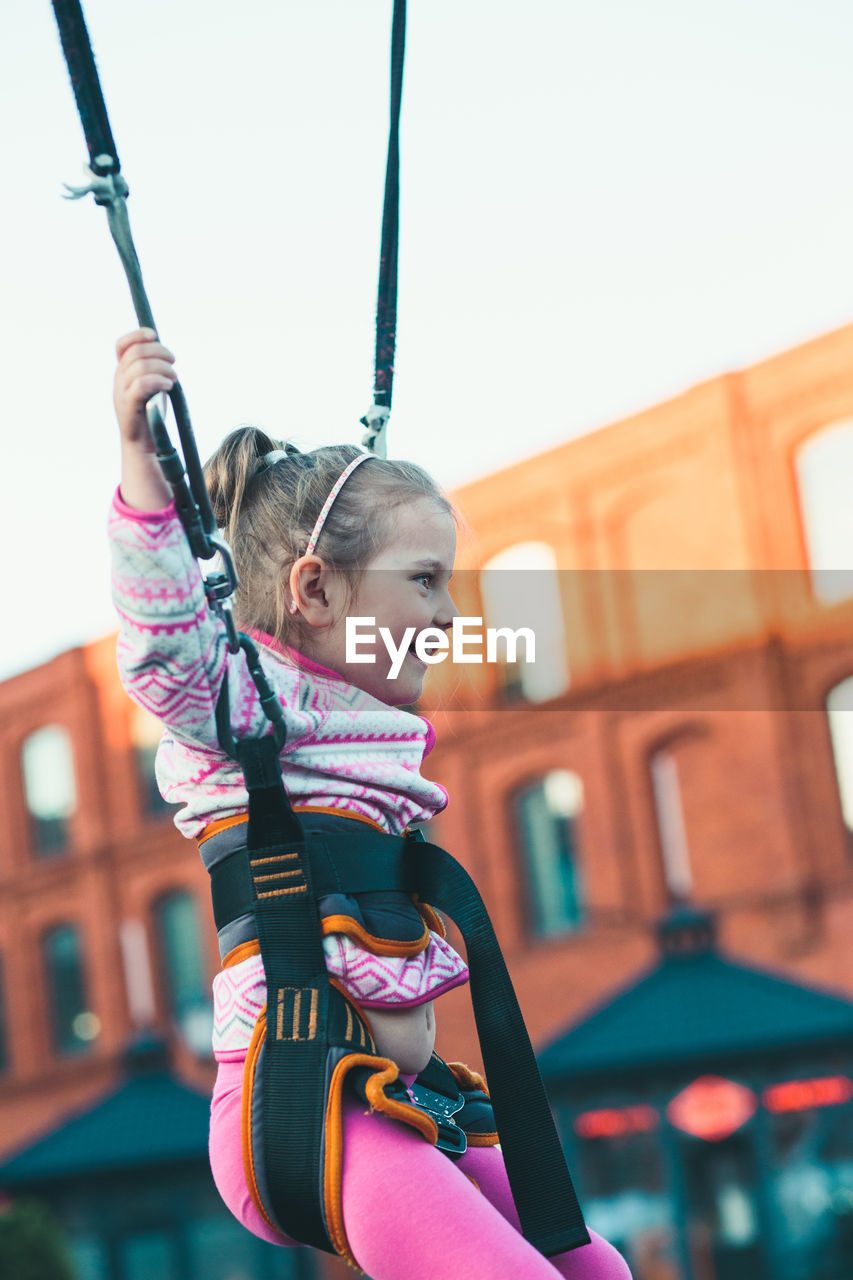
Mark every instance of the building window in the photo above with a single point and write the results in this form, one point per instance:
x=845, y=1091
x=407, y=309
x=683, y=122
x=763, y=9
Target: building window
x=50, y=790
x=138, y=978
x=672, y=833
x=73, y=1024
x=520, y=589
x=824, y=465
x=179, y=954
x=548, y=815
x=839, y=710
x=146, y=732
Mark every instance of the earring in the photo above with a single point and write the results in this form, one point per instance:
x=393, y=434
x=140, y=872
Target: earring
x=294, y=607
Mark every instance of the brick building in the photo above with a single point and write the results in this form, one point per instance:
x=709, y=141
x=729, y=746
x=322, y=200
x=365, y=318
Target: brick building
x=685, y=738
x=699, y=747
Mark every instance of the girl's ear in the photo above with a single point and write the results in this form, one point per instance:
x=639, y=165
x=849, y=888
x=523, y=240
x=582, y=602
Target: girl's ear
x=315, y=590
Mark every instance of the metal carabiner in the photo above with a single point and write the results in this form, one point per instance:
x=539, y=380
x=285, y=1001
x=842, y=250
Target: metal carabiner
x=219, y=588
x=375, y=438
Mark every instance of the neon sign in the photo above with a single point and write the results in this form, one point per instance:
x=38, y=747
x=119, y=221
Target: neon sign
x=712, y=1108
x=803, y=1095
x=615, y=1122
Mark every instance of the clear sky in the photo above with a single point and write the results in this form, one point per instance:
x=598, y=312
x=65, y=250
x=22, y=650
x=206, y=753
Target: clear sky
x=602, y=204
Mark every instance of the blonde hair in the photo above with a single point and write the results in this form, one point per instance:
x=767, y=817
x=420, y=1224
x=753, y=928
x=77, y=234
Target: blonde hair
x=267, y=512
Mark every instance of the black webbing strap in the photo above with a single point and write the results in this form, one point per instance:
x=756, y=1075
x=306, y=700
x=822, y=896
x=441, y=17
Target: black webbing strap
x=103, y=157
x=298, y=999
x=551, y=1217
x=386, y=302
x=363, y=862
x=376, y=418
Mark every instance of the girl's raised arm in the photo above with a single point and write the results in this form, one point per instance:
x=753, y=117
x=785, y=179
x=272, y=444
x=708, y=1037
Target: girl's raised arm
x=171, y=649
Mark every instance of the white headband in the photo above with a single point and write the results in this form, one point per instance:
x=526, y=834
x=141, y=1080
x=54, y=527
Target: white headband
x=335, y=490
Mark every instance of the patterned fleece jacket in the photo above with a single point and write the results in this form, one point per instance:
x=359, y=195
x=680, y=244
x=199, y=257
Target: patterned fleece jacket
x=345, y=751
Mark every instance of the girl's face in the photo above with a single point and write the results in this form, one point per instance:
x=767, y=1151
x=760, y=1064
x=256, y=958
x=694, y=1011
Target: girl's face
x=404, y=586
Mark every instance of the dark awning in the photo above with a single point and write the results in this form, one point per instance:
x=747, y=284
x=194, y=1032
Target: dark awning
x=696, y=1006
x=151, y=1119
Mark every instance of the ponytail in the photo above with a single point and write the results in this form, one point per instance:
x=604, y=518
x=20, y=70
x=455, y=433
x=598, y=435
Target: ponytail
x=266, y=497
x=231, y=470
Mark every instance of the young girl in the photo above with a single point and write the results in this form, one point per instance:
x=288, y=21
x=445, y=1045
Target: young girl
x=315, y=537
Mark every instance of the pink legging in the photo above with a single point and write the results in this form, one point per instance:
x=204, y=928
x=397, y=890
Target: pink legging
x=409, y=1211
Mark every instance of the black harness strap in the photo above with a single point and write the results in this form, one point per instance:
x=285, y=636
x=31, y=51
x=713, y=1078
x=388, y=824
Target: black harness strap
x=386, y=303
x=545, y=1198
x=363, y=862
x=299, y=998
x=103, y=156
x=376, y=418
x=551, y=1217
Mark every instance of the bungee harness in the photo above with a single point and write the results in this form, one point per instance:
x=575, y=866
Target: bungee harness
x=275, y=881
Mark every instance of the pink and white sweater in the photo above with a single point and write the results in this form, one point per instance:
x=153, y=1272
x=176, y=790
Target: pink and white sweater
x=345, y=750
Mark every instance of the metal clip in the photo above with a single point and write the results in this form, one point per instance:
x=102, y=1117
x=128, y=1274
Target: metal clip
x=219, y=588
x=451, y=1139
x=223, y=609
x=375, y=439
x=228, y=575
x=107, y=188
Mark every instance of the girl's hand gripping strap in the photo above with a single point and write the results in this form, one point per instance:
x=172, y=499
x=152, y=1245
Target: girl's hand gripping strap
x=551, y=1217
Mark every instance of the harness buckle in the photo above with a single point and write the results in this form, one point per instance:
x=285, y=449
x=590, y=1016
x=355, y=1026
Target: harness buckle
x=451, y=1139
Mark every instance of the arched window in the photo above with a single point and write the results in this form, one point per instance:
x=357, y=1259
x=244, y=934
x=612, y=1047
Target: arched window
x=179, y=954
x=146, y=732
x=548, y=814
x=824, y=466
x=50, y=790
x=73, y=1024
x=138, y=978
x=839, y=710
x=520, y=589
x=672, y=834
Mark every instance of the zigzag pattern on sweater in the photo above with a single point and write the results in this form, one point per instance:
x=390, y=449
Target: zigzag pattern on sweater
x=388, y=982
x=239, y=995
x=394, y=981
